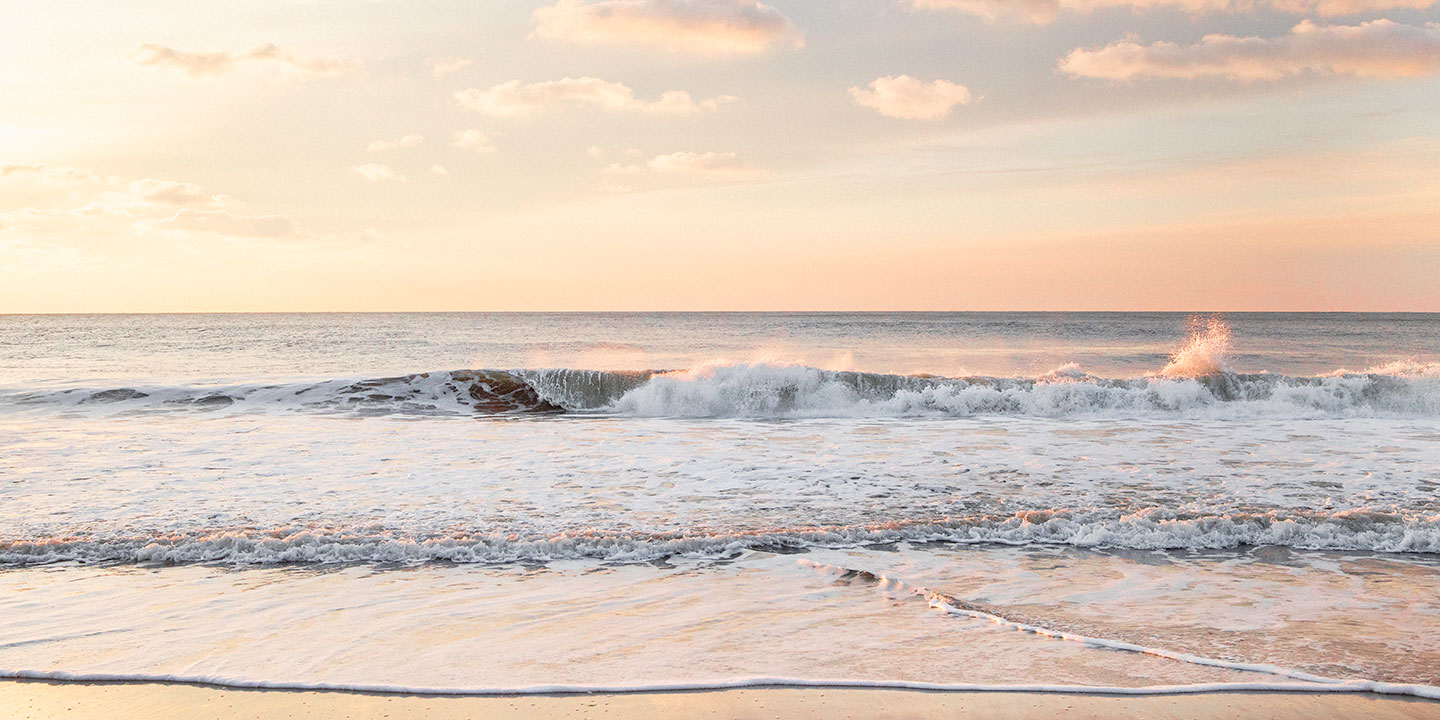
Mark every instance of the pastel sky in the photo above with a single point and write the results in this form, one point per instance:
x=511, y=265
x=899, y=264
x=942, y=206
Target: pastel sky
x=720, y=154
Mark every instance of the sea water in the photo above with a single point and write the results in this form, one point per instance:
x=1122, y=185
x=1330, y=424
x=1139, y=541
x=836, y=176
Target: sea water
x=512, y=502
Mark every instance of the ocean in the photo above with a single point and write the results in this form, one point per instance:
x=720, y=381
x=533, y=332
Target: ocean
x=497, y=503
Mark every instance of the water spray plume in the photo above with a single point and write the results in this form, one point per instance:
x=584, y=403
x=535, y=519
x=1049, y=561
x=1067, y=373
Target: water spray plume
x=1206, y=351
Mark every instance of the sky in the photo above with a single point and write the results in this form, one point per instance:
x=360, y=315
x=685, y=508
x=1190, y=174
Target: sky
x=322, y=155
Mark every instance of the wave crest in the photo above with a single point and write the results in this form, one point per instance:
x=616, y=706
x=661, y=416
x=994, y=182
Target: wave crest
x=788, y=391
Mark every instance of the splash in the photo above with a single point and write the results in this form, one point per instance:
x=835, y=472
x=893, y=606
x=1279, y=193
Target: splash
x=1206, y=351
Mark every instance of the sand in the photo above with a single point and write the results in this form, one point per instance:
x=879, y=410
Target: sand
x=34, y=700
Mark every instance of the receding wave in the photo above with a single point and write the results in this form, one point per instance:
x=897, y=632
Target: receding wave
x=1153, y=529
x=783, y=391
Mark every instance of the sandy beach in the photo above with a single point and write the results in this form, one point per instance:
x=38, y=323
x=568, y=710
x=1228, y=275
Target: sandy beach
x=37, y=700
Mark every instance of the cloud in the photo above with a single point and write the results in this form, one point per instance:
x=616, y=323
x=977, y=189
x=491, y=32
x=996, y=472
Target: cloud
x=53, y=175
x=513, y=99
x=1380, y=48
x=439, y=170
x=407, y=141
x=906, y=97
x=1035, y=11
x=473, y=140
x=1044, y=11
x=1339, y=8
x=99, y=209
x=220, y=222
x=170, y=192
x=442, y=67
x=212, y=64
x=723, y=165
x=376, y=172
x=687, y=167
x=708, y=27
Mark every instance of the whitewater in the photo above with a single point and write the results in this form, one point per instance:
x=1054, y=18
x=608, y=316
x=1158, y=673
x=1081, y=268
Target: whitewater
x=510, y=503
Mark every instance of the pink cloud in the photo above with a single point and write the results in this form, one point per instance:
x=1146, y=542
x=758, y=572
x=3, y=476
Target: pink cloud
x=712, y=27
x=1380, y=48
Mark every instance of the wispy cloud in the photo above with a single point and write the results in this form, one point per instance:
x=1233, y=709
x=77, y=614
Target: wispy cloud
x=1044, y=11
x=687, y=167
x=211, y=64
x=94, y=207
x=906, y=97
x=376, y=172
x=472, y=140
x=220, y=222
x=710, y=27
x=513, y=98
x=54, y=175
x=444, y=66
x=405, y=141
x=1380, y=48
x=170, y=192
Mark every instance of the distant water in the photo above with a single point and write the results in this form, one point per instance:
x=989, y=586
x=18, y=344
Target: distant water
x=507, y=501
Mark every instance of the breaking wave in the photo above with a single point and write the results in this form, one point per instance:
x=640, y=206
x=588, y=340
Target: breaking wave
x=1153, y=529
x=792, y=391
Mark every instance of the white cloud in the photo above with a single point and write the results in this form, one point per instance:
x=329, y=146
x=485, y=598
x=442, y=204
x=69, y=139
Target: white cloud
x=439, y=170
x=1380, y=48
x=201, y=64
x=442, y=67
x=687, y=167
x=376, y=172
x=713, y=164
x=595, y=152
x=406, y=141
x=514, y=99
x=473, y=140
x=906, y=97
x=220, y=222
x=710, y=27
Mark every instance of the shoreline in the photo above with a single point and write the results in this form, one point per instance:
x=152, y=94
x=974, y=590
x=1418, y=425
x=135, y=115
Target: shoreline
x=1319, y=686
x=42, y=699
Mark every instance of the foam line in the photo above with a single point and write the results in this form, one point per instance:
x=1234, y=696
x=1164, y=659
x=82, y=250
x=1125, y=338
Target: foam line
x=955, y=606
x=1419, y=691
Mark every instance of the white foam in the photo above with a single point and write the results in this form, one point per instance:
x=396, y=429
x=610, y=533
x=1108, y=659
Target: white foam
x=1152, y=529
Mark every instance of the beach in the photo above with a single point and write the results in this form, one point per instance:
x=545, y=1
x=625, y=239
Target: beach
x=42, y=700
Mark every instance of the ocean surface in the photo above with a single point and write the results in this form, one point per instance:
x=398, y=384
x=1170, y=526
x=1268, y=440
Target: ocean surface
x=513, y=502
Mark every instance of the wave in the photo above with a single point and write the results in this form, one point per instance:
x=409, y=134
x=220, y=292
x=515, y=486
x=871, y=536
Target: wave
x=1153, y=529
x=787, y=391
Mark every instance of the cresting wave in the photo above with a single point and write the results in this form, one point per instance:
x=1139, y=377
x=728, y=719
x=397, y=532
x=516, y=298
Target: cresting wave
x=1153, y=529
x=787, y=391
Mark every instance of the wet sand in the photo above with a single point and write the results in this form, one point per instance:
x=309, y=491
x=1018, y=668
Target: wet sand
x=37, y=700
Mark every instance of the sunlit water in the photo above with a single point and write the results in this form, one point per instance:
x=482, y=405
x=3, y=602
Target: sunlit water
x=510, y=501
